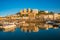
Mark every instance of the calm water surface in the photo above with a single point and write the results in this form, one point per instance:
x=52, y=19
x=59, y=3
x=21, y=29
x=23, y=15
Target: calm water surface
x=50, y=34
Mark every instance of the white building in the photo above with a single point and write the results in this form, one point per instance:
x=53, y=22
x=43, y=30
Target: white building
x=35, y=11
x=46, y=11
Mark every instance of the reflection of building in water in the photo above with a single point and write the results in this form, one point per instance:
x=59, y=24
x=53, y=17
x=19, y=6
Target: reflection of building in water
x=29, y=28
x=33, y=27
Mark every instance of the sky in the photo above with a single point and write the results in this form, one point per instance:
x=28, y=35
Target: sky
x=8, y=7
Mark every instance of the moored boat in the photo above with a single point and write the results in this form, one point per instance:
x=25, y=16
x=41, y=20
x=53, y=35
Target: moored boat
x=9, y=27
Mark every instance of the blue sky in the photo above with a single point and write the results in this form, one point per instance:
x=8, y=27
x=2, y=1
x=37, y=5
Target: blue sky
x=8, y=7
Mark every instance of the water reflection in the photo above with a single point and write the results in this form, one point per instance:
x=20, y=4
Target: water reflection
x=29, y=25
x=35, y=27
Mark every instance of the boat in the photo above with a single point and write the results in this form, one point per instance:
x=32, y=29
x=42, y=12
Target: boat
x=10, y=27
x=1, y=25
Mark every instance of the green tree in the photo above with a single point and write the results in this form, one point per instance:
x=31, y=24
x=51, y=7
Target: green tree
x=51, y=12
x=58, y=13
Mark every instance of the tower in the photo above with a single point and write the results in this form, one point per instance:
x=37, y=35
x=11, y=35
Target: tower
x=24, y=10
x=29, y=10
x=21, y=11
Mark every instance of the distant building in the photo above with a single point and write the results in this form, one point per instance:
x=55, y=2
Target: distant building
x=51, y=17
x=24, y=10
x=46, y=11
x=55, y=16
x=21, y=11
x=29, y=10
x=35, y=11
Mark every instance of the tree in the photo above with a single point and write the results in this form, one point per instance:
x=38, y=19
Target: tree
x=18, y=13
x=51, y=12
x=58, y=13
x=42, y=12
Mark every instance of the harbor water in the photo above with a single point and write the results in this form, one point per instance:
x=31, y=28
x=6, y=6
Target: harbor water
x=50, y=34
